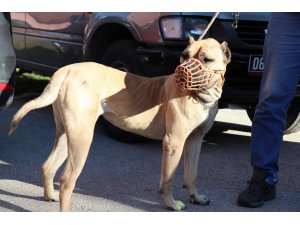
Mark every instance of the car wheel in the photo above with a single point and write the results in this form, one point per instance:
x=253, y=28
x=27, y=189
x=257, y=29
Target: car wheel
x=121, y=55
x=293, y=119
x=293, y=116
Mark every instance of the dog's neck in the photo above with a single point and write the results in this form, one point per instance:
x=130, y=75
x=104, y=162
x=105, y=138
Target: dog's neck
x=209, y=97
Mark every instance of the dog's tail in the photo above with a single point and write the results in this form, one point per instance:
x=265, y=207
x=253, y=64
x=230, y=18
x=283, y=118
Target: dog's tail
x=48, y=96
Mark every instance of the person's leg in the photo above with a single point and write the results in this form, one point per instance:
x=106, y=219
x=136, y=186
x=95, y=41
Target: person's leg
x=278, y=86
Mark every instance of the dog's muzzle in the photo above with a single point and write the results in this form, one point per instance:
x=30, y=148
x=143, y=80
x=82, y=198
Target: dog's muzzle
x=191, y=75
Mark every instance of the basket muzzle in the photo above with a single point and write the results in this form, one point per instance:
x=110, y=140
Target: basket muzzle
x=191, y=75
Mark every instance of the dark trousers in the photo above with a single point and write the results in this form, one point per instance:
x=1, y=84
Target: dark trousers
x=278, y=86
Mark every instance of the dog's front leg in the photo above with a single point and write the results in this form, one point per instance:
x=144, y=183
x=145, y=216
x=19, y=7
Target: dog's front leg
x=172, y=151
x=191, y=158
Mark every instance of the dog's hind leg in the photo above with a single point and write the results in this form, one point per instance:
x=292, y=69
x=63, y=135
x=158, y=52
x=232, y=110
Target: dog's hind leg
x=191, y=159
x=80, y=135
x=55, y=160
x=78, y=147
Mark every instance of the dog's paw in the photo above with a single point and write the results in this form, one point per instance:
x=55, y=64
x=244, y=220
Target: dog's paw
x=176, y=206
x=199, y=200
x=52, y=198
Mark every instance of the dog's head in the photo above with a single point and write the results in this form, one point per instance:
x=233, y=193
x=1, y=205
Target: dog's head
x=213, y=56
x=210, y=52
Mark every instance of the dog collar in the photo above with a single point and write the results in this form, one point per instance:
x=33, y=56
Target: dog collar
x=191, y=75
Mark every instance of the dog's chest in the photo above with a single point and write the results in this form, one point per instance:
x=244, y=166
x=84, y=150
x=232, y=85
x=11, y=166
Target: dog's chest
x=202, y=116
x=206, y=122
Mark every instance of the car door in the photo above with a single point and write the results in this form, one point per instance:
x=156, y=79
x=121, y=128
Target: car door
x=53, y=39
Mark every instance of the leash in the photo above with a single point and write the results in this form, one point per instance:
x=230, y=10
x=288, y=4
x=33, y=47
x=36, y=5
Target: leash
x=234, y=23
x=209, y=25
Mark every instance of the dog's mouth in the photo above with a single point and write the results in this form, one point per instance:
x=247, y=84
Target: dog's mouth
x=192, y=75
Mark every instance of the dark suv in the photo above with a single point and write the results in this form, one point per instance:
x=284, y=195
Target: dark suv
x=148, y=44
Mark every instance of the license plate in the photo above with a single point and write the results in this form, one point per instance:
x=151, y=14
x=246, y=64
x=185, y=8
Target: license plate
x=256, y=63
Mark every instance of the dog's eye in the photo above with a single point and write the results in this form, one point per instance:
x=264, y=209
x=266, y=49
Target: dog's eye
x=207, y=60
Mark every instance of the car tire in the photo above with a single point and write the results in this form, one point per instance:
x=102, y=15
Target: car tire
x=121, y=55
x=293, y=119
x=293, y=116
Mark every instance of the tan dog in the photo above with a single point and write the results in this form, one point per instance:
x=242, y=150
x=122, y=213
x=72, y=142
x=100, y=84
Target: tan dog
x=152, y=107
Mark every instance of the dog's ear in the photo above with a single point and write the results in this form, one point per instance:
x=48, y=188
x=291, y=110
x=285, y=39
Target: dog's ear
x=186, y=53
x=191, y=50
x=226, y=52
x=191, y=40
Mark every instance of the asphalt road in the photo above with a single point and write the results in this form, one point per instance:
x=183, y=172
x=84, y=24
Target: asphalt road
x=121, y=177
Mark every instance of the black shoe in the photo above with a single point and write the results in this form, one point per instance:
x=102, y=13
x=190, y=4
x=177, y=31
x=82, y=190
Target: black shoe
x=257, y=192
